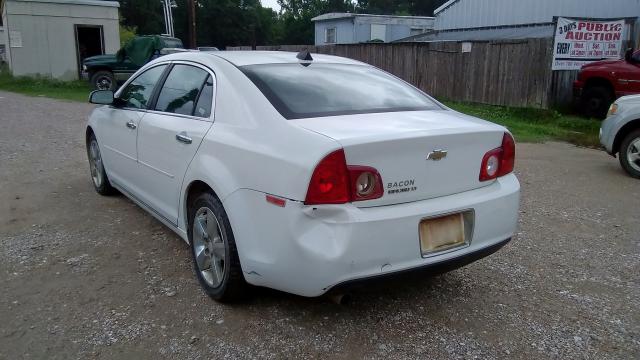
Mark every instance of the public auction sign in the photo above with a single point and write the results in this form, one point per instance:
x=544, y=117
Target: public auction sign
x=579, y=42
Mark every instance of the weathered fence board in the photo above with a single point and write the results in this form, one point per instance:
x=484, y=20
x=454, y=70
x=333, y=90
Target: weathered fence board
x=509, y=73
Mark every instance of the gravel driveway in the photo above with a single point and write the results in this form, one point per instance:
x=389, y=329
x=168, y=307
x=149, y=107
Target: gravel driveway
x=85, y=276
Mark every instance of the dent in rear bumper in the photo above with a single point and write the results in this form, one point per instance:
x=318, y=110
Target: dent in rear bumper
x=307, y=250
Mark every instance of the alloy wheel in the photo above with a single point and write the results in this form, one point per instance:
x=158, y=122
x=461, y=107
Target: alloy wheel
x=209, y=247
x=95, y=164
x=633, y=154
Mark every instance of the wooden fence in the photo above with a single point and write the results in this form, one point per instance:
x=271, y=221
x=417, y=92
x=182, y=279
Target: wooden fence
x=510, y=73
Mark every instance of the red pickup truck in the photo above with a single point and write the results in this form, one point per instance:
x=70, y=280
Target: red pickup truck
x=601, y=82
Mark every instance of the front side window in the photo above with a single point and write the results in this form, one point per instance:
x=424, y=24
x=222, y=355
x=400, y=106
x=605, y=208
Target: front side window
x=317, y=90
x=180, y=91
x=138, y=93
x=330, y=36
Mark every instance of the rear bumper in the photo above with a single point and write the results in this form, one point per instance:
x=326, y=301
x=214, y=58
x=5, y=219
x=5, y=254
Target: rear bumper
x=308, y=250
x=426, y=270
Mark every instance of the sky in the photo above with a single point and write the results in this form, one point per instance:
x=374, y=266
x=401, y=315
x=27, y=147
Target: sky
x=271, y=3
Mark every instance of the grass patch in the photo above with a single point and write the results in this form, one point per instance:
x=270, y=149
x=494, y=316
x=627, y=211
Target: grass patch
x=536, y=125
x=41, y=86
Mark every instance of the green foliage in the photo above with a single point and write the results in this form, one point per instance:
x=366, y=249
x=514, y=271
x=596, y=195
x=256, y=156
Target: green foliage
x=126, y=33
x=224, y=23
x=41, y=86
x=399, y=7
x=536, y=125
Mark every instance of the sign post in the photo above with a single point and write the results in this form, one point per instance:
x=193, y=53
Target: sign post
x=579, y=42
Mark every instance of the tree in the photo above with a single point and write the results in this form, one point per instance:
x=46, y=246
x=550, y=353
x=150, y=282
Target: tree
x=224, y=23
x=144, y=15
x=296, y=16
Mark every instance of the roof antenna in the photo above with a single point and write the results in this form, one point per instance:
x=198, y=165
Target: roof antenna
x=304, y=55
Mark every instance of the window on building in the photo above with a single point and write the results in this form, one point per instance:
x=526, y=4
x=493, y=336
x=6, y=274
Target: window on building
x=330, y=36
x=378, y=32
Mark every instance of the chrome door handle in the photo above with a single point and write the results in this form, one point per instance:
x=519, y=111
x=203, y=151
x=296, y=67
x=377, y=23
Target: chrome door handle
x=131, y=125
x=183, y=138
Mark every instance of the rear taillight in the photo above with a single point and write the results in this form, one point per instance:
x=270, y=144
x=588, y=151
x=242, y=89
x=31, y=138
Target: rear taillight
x=333, y=182
x=508, y=155
x=499, y=161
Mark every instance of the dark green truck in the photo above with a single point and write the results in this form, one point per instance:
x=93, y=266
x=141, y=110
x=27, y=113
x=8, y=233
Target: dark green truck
x=104, y=72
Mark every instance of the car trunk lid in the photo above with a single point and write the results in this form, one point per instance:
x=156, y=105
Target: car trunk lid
x=419, y=154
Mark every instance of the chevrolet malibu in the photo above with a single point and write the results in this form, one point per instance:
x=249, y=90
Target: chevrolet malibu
x=303, y=173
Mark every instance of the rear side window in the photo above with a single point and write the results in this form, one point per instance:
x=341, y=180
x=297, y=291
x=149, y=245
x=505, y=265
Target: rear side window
x=317, y=90
x=180, y=91
x=203, y=106
x=138, y=93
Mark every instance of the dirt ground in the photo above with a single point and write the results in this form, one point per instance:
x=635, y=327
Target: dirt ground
x=85, y=276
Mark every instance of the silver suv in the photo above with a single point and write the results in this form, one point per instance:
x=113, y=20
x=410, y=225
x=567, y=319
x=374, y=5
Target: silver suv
x=620, y=133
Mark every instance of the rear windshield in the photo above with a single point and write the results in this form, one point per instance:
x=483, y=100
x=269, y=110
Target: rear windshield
x=317, y=90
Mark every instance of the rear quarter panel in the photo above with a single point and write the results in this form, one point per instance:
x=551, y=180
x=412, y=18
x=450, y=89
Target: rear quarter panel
x=251, y=146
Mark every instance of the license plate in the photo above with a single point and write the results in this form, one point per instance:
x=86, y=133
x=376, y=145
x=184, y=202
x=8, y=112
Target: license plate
x=442, y=233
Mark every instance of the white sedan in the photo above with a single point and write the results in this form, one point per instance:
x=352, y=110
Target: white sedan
x=303, y=173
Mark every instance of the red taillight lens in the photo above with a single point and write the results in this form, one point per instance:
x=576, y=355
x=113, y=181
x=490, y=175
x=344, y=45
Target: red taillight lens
x=330, y=182
x=508, y=155
x=366, y=183
x=333, y=182
x=499, y=161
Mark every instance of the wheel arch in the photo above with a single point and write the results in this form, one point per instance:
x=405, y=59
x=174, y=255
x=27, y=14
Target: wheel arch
x=623, y=132
x=94, y=70
x=191, y=191
x=602, y=82
x=88, y=132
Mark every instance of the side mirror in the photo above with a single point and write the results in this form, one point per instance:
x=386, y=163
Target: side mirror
x=101, y=97
x=628, y=55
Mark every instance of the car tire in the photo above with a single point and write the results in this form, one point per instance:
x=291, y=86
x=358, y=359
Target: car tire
x=629, y=154
x=213, y=248
x=103, y=80
x=99, y=176
x=596, y=101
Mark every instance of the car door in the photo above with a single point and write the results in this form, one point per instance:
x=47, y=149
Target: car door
x=170, y=134
x=119, y=130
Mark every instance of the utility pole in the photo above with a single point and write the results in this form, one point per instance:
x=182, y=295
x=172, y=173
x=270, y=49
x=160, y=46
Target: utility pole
x=191, y=16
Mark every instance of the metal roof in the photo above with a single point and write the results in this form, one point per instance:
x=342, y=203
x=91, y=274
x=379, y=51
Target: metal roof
x=460, y=14
x=486, y=34
x=444, y=6
x=333, y=16
x=106, y=3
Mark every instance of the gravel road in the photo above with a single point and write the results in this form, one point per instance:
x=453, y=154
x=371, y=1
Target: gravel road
x=85, y=276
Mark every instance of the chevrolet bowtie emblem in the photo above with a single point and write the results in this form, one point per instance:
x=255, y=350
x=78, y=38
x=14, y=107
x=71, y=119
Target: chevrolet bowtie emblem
x=437, y=155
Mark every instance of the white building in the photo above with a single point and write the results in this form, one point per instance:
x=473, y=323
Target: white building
x=51, y=37
x=3, y=47
x=518, y=19
x=349, y=28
